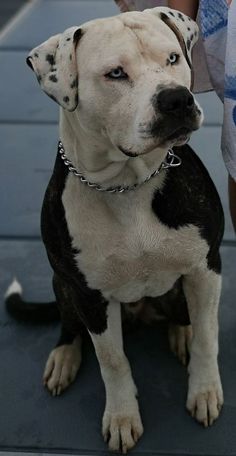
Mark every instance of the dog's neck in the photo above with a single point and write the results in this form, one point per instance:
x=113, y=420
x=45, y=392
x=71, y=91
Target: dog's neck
x=93, y=154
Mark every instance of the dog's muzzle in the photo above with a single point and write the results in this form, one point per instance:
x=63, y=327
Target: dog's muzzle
x=178, y=115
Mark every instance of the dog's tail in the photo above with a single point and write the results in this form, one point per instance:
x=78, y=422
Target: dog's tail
x=29, y=312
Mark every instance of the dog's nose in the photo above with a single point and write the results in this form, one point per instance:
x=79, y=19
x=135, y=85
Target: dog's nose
x=175, y=101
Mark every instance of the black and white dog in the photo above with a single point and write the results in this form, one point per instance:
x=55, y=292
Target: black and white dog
x=121, y=222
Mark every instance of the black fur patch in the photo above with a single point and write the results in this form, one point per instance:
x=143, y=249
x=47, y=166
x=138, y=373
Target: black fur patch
x=29, y=63
x=36, y=55
x=53, y=78
x=66, y=337
x=74, y=83
x=50, y=59
x=31, y=312
x=71, y=324
x=181, y=17
x=190, y=197
x=66, y=99
x=79, y=302
x=77, y=35
x=163, y=17
x=76, y=99
x=188, y=44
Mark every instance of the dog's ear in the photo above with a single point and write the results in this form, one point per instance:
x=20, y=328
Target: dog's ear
x=54, y=63
x=185, y=29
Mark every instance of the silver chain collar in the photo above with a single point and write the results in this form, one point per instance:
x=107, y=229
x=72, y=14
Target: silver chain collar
x=170, y=161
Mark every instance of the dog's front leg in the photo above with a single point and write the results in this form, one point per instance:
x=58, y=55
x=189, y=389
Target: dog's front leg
x=122, y=424
x=205, y=397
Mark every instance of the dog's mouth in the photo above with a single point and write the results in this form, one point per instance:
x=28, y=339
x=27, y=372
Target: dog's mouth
x=170, y=136
x=179, y=133
x=128, y=153
x=179, y=136
x=171, y=129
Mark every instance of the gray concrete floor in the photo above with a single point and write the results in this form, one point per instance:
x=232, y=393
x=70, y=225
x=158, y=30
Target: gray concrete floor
x=13, y=453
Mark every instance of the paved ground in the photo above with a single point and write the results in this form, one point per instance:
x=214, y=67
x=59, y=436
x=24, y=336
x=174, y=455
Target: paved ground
x=30, y=420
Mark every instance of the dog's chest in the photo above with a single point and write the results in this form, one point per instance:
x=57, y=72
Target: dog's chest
x=124, y=250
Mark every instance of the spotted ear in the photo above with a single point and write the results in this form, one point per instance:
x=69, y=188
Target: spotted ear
x=185, y=29
x=54, y=63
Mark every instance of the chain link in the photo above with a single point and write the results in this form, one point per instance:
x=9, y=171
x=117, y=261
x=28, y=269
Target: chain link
x=170, y=161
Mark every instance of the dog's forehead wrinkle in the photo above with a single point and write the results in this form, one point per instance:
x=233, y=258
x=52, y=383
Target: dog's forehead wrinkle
x=110, y=50
x=102, y=36
x=147, y=30
x=156, y=41
x=109, y=25
x=149, y=41
x=134, y=25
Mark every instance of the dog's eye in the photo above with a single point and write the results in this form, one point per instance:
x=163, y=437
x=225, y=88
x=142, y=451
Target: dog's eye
x=173, y=58
x=117, y=73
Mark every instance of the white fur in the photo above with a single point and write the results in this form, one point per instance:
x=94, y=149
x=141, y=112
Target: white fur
x=62, y=366
x=121, y=419
x=205, y=397
x=15, y=287
x=126, y=252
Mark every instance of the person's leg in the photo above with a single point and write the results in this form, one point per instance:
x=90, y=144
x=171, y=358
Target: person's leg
x=188, y=7
x=232, y=199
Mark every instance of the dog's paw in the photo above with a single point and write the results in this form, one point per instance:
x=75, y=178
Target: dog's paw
x=121, y=431
x=205, y=402
x=62, y=366
x=180, y=338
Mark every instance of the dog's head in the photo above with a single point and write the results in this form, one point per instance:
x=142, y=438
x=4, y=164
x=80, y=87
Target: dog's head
x=128, y=77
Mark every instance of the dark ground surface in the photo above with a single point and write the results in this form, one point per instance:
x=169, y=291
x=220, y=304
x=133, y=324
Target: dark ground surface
x=31, y=420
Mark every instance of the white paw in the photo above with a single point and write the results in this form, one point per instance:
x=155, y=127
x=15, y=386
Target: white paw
x=180, y=338
x=205, y=401
x=122, y=430
x=62, y=366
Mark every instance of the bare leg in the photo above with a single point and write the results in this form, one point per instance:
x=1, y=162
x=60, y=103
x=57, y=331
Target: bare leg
x=205, y=397
x=122, y=425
